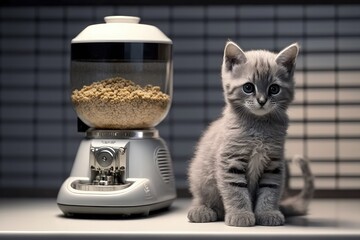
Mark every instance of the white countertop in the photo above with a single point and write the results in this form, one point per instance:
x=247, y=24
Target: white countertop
x=41, y=218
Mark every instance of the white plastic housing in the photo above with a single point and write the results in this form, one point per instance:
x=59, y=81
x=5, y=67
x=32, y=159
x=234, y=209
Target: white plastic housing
x=121, y=29
x=152, y=186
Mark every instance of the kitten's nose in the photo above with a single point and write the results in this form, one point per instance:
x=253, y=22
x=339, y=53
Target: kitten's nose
x=261, y=101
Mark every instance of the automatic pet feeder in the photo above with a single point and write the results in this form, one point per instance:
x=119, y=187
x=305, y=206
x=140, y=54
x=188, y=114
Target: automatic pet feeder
x=121, y=79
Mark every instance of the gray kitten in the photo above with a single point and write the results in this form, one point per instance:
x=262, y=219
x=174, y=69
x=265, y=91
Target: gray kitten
x=238, y=172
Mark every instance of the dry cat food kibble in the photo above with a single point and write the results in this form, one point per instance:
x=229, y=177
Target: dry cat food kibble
x=117, y=103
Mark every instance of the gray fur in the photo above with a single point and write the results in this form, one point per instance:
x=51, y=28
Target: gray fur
x=297, y=205
x=238, y=171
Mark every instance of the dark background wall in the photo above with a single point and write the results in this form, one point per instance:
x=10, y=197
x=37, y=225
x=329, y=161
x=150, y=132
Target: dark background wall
x=38, y=127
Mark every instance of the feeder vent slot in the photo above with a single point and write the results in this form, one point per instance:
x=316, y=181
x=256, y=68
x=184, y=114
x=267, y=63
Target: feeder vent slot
x=164, y=164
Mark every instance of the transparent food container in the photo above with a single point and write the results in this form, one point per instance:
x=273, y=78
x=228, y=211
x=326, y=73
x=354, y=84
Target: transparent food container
x=121, y=74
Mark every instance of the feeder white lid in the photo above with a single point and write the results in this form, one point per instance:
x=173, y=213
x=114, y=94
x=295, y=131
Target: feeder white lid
x=121, y=29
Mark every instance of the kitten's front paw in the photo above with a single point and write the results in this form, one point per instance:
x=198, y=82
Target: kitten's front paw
x=202, y=214
x=240, y=219
x=270, y=218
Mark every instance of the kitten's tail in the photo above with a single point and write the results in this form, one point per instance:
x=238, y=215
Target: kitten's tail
x=298, y=205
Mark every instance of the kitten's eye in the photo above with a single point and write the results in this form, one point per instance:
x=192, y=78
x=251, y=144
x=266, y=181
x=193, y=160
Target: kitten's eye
x=274, y=89
x=248, y=88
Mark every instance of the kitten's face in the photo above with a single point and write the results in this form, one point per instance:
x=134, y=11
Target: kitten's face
x=259, y=82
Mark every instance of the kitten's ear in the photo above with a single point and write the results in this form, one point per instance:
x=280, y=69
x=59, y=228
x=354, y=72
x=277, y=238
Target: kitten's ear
x=287, y=56
x=233, y=55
